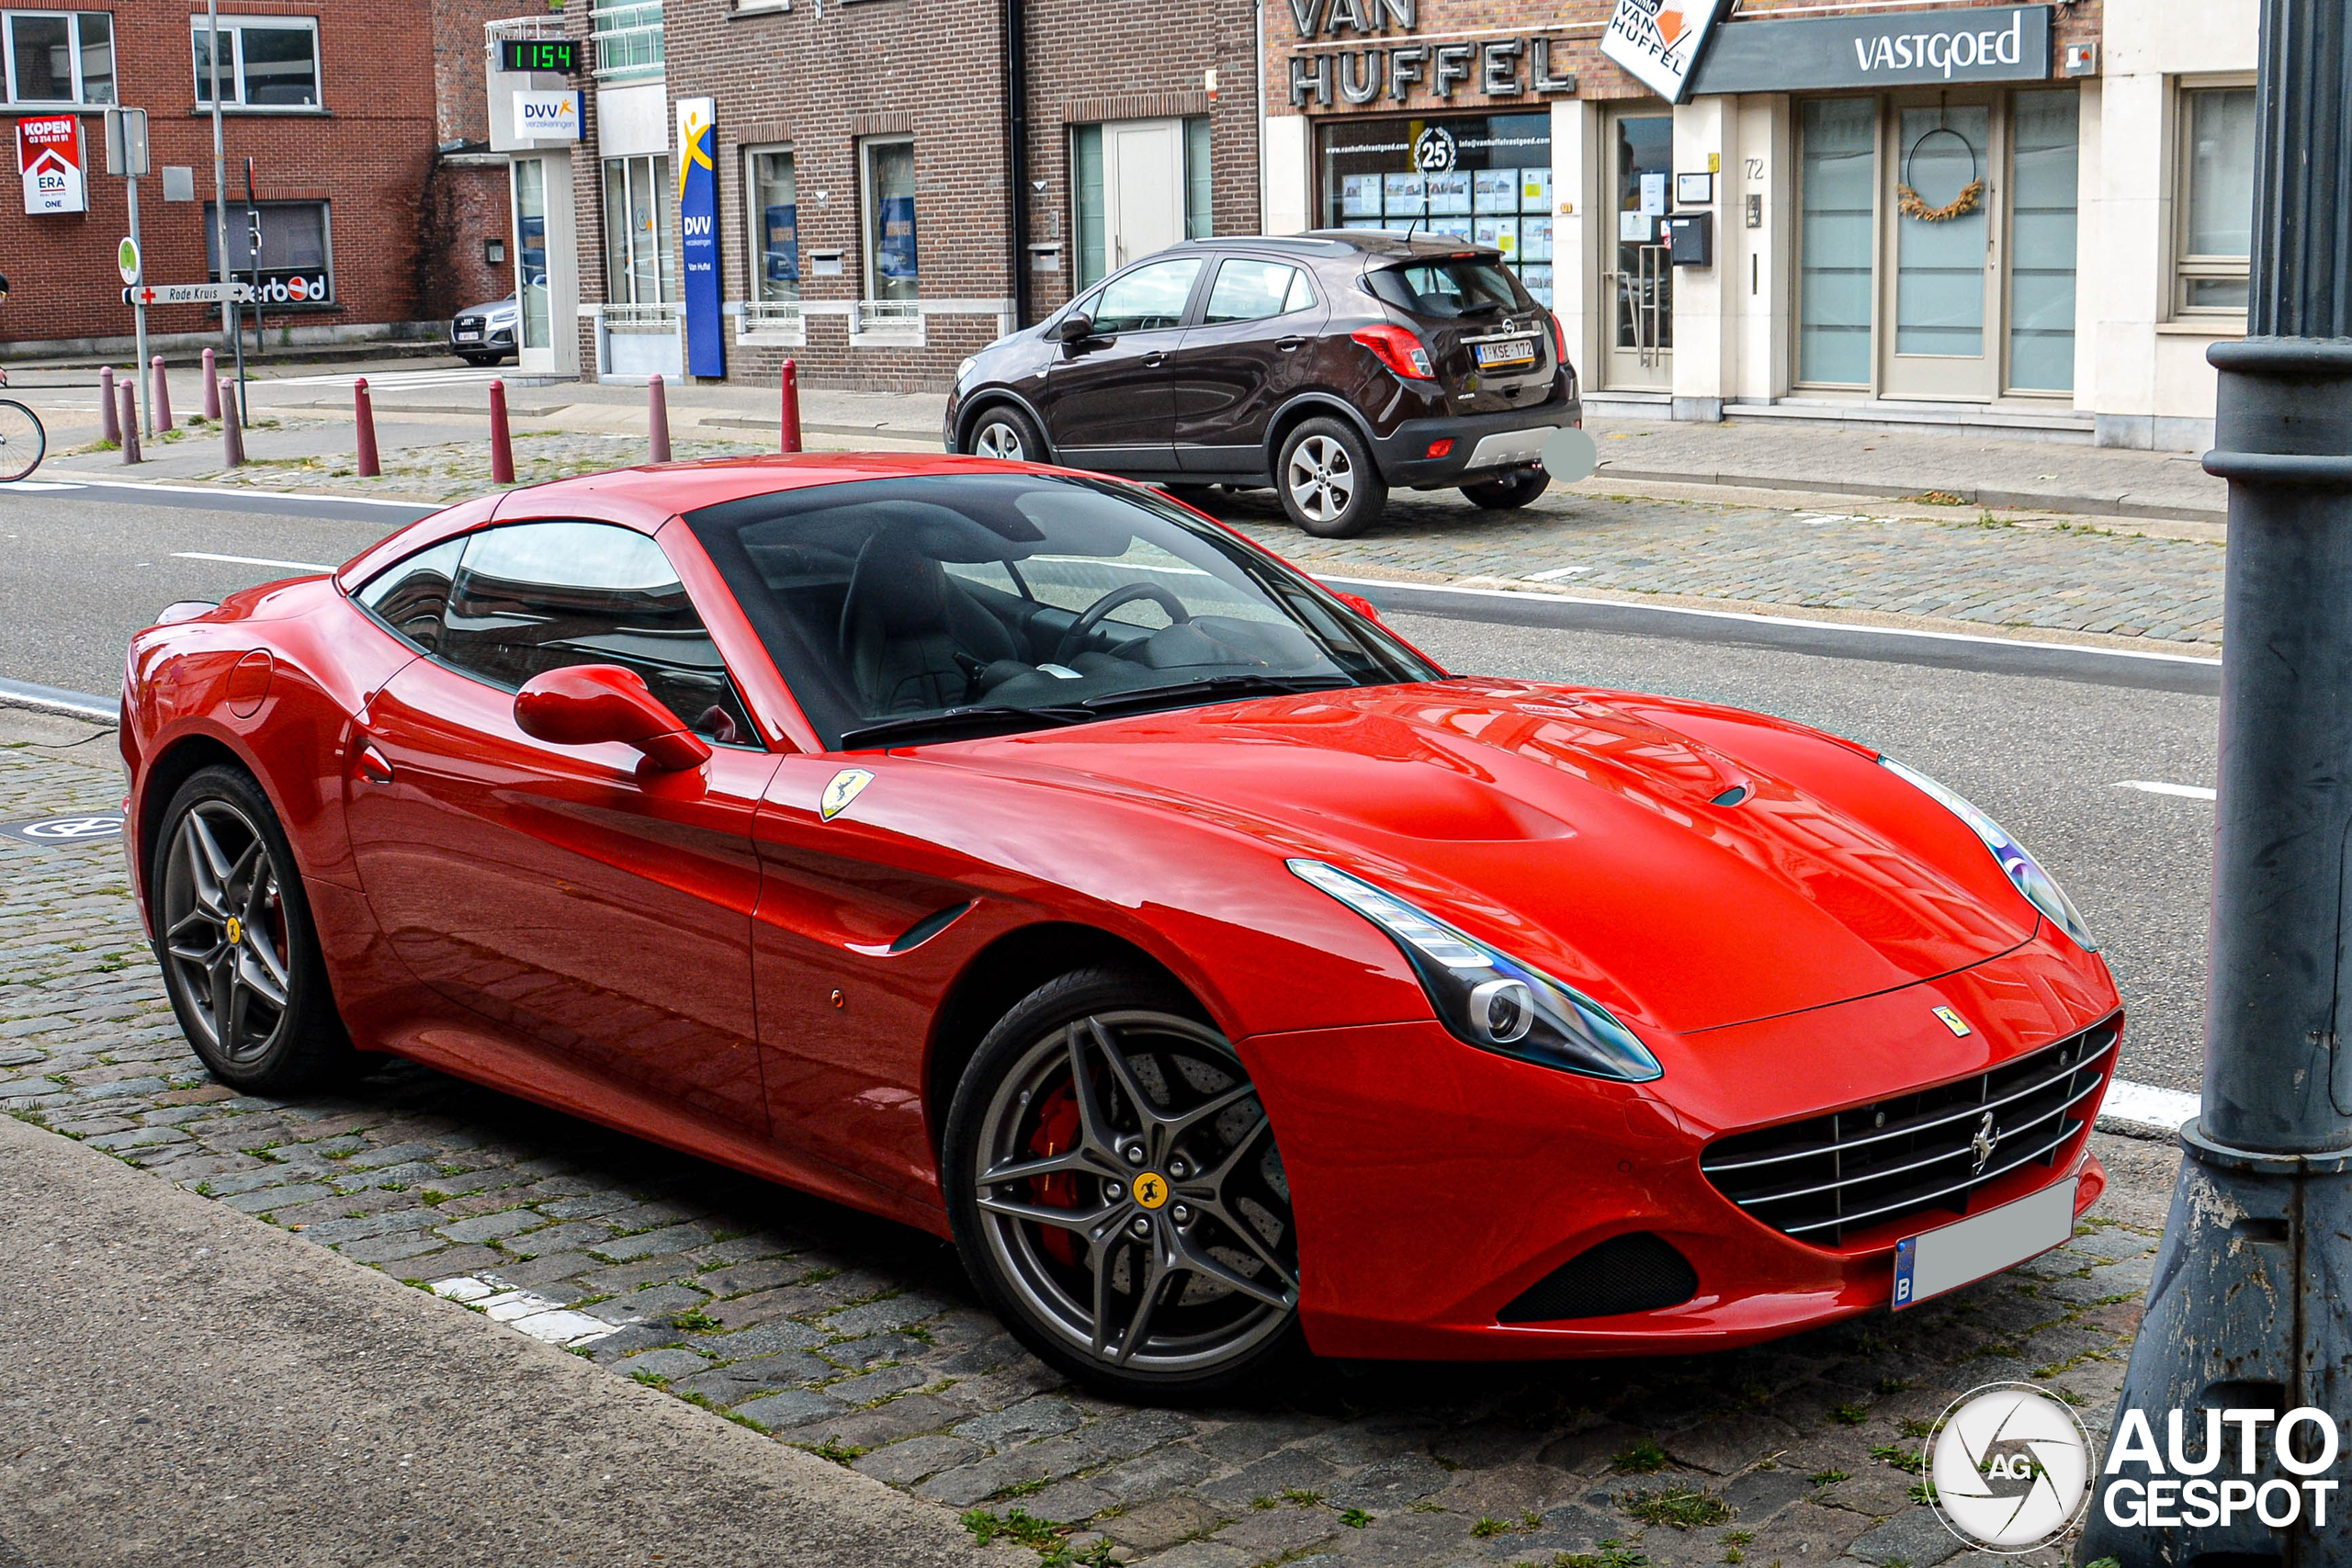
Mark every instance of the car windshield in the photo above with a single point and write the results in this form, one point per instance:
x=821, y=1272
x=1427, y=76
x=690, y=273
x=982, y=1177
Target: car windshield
x=1462, y=285
x=933, y=606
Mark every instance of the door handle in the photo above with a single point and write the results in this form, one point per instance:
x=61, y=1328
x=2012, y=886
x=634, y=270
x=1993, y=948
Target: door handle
x=1290, y=344
x=1153, y=360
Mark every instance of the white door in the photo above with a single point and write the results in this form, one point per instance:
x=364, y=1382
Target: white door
x=546, y=266
x=1143, y=178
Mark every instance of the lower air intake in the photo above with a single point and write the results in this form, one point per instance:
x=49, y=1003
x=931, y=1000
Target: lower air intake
x=1640, y=1273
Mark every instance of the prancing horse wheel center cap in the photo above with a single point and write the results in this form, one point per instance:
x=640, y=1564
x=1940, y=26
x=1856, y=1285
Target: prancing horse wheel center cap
x=1151, y=1189
x=236, y=933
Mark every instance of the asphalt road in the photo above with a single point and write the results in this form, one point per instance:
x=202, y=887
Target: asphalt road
x=2041, y=740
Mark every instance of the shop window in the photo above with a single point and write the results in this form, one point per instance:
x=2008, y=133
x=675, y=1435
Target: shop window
x=637, y=244
x=887, y=168
x=265, y=62
x=295, y=257
x=1837, y=155
x=59, y=57
x=776, y=229
x=2044, y=158
x=1499, y=192
x=2216, y=201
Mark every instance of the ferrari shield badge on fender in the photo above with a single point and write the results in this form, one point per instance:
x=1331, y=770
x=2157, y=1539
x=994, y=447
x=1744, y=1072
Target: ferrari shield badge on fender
x=1946, y=1016
x=845, y=789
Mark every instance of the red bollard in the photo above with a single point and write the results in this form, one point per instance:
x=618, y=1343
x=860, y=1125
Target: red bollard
x=791, y=406
x=363, y=414
x=233, y=434
x=109, y=426
x=129, y=418
x=161, y=404
x=211, y=388
x=502, y=443
x=656, y=420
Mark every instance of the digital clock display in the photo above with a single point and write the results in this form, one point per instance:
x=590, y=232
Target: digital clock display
x=539, y=54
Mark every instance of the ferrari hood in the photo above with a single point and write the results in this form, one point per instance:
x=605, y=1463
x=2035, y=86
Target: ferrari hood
x=1694, y=882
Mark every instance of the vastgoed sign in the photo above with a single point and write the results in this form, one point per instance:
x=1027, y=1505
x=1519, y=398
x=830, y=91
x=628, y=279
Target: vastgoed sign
x=1989, y=43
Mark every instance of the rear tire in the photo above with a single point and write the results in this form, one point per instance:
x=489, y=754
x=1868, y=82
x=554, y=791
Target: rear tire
x=1327, y=481
x=1205, y=1297
x=1003, y=432
x=235, y=936
x=1502, y=495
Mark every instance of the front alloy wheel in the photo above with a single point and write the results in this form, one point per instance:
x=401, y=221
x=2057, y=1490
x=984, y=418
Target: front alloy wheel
x=1125, y=1196
x=225, y=931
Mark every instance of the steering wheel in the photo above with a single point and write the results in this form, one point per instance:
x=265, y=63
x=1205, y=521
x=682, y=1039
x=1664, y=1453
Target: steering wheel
x=1112, y=601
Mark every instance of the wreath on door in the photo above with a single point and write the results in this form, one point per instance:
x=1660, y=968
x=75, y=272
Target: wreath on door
x=1914, y=205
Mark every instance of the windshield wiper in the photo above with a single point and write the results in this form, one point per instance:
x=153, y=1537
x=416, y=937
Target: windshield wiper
x=957, y=723
x=1211, y=688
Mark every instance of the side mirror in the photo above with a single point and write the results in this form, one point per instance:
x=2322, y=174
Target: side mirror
x=1360, y=605
x=1075, y=328
x=588, y=704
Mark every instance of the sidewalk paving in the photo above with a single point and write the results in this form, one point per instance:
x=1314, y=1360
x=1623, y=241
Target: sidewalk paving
x=863, y=1343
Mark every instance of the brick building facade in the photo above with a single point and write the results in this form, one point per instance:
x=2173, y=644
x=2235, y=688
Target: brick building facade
x=328, y=99
x=464, y=219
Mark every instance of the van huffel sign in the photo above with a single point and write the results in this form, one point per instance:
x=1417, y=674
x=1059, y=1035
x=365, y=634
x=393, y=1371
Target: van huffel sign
x=1890, y=49
x=1658, y=41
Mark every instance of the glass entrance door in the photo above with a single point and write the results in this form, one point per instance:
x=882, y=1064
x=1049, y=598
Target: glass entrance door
x=1640, y=286
x=536, y=342
x=1944, y=284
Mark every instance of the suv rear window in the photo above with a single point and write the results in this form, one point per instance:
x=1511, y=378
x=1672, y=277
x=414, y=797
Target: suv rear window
x=1463, y=287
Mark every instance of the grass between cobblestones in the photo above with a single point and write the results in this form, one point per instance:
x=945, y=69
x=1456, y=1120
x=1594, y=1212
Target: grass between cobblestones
x=862, y=1342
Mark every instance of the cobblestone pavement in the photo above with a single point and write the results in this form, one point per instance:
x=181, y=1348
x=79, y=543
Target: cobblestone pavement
x=861, y=1340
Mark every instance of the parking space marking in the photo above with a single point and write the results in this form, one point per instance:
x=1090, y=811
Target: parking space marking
x=250, y=560
x=2140, y=1107
x=1554, y=575
x=2154, y=787
x=88, y=828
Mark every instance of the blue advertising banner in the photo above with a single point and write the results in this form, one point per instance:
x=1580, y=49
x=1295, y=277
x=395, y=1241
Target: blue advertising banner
x=782, y=222
x=698, y=235
x=895, y=256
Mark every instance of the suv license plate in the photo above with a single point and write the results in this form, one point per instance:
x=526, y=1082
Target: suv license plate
x=469, y=337
x=1507, y=355
x=1935, y=1261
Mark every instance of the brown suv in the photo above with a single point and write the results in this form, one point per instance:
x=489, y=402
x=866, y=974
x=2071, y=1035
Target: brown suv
x=1333, y=367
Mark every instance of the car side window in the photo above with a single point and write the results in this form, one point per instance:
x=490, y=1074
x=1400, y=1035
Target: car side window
x=532, y=597
x=1248, y=290
x=410, y=596
x=1148, y=298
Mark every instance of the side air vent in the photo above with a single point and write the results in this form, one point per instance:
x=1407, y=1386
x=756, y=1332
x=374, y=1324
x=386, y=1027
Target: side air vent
x=1640, y=1273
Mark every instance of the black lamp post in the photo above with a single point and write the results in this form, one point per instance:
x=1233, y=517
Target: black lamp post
x=2248, y=1308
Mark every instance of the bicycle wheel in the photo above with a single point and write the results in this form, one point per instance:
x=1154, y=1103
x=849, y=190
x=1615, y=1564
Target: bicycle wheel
x=22, y=441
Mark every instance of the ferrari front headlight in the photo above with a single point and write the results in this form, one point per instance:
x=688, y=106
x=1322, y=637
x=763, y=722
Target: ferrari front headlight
x=2041, y=889
x=1489, y=998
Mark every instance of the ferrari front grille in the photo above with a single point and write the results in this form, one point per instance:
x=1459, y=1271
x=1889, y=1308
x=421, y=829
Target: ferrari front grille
x=1929, y=1150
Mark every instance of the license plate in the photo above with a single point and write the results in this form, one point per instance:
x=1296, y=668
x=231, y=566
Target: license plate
x=1935, y=1261
x=469, y=337
x=1504, y=355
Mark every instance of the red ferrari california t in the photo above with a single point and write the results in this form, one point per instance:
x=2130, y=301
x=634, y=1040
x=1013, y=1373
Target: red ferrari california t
x=1021, y=855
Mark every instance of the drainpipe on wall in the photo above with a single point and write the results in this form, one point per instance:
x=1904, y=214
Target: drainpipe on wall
x=1016, y=149
x=1259, y=75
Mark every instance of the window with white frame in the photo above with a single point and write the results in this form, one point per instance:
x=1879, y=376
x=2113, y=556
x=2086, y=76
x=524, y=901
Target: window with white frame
x=641, y=255
x=627, y=38
x=888, y=168
x=266, y=63
x=59, y=57
x=2215, y=233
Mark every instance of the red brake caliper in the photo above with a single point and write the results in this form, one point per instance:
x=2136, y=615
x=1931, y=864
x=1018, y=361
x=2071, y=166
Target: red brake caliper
x=1056, y=1132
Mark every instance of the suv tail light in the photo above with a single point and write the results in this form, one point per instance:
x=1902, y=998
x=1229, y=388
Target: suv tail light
x=1560, y=339
x=1400, y=350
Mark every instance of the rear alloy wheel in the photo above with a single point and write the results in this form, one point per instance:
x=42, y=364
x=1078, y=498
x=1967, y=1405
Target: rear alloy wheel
x=1005, y=433
x=233, y=934
x=1330, y=484
x=1502, y=495
x=1116, y=1191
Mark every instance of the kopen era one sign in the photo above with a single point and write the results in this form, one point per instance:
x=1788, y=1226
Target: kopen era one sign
x=49, y=155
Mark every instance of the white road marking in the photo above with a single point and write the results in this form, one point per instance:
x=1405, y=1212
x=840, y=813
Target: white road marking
x=1400, y=585
x=248, y=561
x=2143, y=1108
x=2153, y=786
x=1557, y=573
x=377, y=380
x=549, y=1321
x=36, y=484
x=226, y=490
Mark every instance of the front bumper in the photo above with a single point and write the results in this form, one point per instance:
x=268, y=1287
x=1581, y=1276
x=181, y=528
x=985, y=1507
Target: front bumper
x=1485, y=444
x=487, y=339
x=1434, y=1183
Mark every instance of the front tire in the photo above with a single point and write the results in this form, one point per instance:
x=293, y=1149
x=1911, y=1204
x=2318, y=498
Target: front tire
x=233, y=934
x=1328, y=482
x=1116, y=1193
x=1503, y=494
x=1004, y=432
